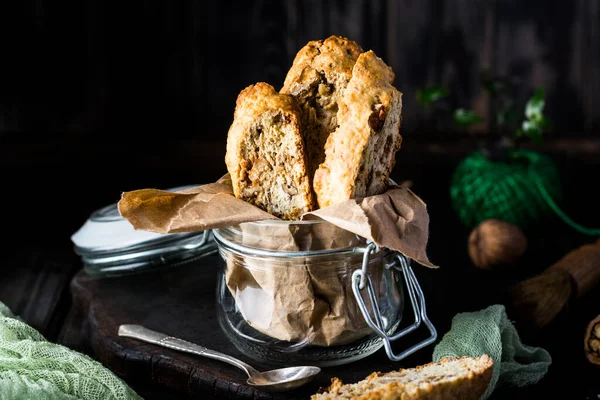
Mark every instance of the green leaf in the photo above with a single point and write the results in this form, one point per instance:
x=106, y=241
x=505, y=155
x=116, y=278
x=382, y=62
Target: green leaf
x=535, y=123
x=535, y=106
x=507, y=115
x=466, y=117
x=492, y=86
x=431, y=94
x=536, y=137
x=530, y=127
x=533, y=131
x=545, y=123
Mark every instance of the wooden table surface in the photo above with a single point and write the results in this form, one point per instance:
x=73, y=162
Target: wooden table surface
x=38, y=263
x=37, y=287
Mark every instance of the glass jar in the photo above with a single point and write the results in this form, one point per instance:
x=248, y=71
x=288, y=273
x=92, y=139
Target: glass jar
x=110, y=246
x=311, y=293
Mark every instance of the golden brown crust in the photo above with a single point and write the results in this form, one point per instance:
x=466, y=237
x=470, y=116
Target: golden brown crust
x=317, y=79
x=260, y=97
x=420, y=383
x=265, y=153
x=360, y=153
x=341, y=126
x=333, y=57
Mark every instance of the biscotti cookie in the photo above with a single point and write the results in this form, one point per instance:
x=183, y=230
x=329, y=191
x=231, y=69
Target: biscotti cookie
x=462, y=378
x=265, y=153
x=360, y=153
x=317, y=79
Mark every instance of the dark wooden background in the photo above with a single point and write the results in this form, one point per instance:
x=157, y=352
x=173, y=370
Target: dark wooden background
x=100, y=97
x=177, y=67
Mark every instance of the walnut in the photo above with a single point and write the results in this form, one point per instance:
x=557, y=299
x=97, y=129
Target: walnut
x=592, y=341
x=496, y=244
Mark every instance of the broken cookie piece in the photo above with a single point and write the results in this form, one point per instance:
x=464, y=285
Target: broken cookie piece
x=317, y=79
x=265, y=153
x=360, y=153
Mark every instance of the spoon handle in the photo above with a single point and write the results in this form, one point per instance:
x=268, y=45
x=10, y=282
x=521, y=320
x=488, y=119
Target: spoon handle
x=147, y=335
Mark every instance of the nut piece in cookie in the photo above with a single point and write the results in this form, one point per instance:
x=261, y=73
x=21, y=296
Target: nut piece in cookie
x=360, y=153
x=317, y=79
x=265, y=153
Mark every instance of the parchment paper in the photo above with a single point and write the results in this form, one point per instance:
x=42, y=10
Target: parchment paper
x=305, y=300
x=396, y=219
x=290, y=299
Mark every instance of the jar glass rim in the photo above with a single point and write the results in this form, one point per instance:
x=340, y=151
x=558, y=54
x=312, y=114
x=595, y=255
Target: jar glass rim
x=298, y=238
x=281, y=222
x=254, y=251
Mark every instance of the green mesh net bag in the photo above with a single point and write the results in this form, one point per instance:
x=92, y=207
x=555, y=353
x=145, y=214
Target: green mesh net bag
x=508, y=190
x=33, y=368
x=523, y=189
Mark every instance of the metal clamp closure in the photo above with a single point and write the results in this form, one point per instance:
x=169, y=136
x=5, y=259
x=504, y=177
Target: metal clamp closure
x=371, y=248
x=361, y=279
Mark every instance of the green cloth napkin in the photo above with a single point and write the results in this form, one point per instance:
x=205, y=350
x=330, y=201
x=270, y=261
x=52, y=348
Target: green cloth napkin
x=489, y=331
x=33, y=368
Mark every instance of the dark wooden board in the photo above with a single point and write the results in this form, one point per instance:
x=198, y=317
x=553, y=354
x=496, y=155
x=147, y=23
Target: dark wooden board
x=180, y=302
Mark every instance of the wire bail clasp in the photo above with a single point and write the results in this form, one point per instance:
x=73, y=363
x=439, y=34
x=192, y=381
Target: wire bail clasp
x=371, y=248
x=362, y=280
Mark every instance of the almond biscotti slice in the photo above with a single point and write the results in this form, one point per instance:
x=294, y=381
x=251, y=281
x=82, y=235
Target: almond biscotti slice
x=265, y=153
x=462, y=378
x=361, y=152
x=317, y=79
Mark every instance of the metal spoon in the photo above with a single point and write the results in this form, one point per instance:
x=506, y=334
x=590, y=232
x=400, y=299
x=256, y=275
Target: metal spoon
x=273, y=380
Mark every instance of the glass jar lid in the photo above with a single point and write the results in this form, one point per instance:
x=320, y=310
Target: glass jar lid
x=108, y=244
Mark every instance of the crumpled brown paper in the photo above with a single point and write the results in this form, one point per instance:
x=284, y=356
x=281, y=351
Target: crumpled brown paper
x=396, y=219
x=297, y=303
x=300, y=301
